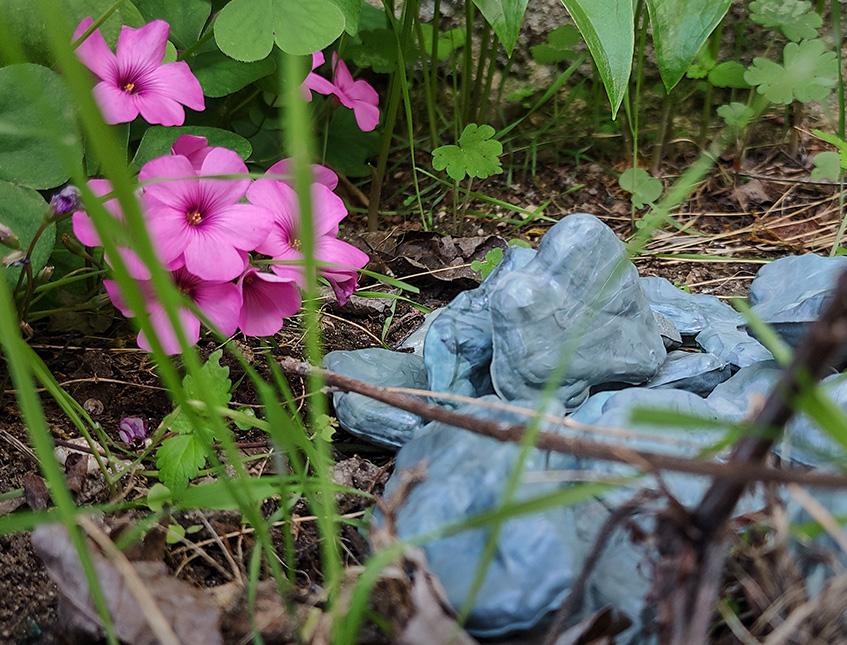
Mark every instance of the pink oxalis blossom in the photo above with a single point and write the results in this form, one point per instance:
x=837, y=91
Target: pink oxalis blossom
x=134, y=80
x=339, y=261
x=219, y=301
x=201, y=220
x=359, y=96
x=266, y=300
x=315, y=82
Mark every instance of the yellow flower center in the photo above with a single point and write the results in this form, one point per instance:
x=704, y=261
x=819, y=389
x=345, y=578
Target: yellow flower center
x=296, y=244
x=129, y=88
x=194, y=217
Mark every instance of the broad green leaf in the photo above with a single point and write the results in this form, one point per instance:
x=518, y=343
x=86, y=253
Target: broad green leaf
x=376, y=49
x=157, y=141
x=216, y=379
x=644, y=188
x=179, y=459
x=485, y=266
x=729, y=74
x=608, y=28
x=305, y=27
x=680, y=27
x=349, y=148
x=244, y=29
x=186, y=17
x=170, y=53
x=23, y=210
x=448, y=41
x=23, y=18
x=559, y=46
x=807, y=74
x=736, y=115
x=834, y=140
x=505, y=17
x=220, y=75
x=351, y=10
x=827, y=166
x=27, y=131
x=476, y=155
x=795, y=18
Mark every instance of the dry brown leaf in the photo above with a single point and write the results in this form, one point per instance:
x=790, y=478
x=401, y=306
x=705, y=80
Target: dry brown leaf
x=35, y=491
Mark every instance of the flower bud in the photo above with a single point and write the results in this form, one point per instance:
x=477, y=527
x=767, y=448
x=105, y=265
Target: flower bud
x=8, y=238
x=133, y=431
x=65, y=201
x=45, y=274
x=15, y=259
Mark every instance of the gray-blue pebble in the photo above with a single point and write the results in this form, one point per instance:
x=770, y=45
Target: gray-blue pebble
x=695, y=372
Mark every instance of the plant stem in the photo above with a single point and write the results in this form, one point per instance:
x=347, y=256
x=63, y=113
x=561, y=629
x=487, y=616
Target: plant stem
x=468, y=62
x=485, y=45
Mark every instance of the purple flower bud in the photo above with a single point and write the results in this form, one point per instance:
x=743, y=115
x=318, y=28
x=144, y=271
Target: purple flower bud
x=133, y=431
x=8, y=238
x=66, y=201
x=15, y=259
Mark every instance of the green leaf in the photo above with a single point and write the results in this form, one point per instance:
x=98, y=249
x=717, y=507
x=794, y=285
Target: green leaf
x=216, y=379
x=174, y=534
x=220, y=75
x=242, y=424
x=645, y=188
x=244, y=29
x=349, y=148
x=505, y=17
x=834, y=140
x=736, y=115
x=351, y=10
x=486, y=266
x=158, y=496
x=186, y=17
x=794, y=18
x=729, y=74
x=179, y=459
x=702, y=64
x=157, y=141
x=376, y=49
x=559, y=46
x=476, y=155
x=23, y=210
x=608, y=28
x=680, y=28
x=808, y=73
x=448, y=41
x=28, y=132
x=827, y=166
x=305, y=27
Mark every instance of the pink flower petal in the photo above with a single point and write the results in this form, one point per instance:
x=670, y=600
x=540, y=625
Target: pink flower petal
x=211, y=256
x=223, y=192
x=363, y=91
x=116, y=106
x=114, y=293
x=142, y=47
x=320, y=174
x=267, y=299
x=367, y=116
x=94, y=52
x=343, y=284
x=159, y=109
x=221, y=302
x=134, y=265
x=245, y=226
x=176, y=194
x=317, y=83
x=165, y=332
x=341, y=74
x=328, y=210
x=175, y=81
x=339, y=255
x=84, y=229
x=169, y=231
x=192, y=147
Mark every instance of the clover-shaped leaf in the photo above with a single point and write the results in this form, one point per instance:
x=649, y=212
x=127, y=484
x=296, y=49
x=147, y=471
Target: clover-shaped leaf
x=808, y=73
x=476, y=155
x=559, y=46
x=793, y=17
x=485, y=266
x=644, y=188
x=827, y=166
x=728, y=74
x=736, y=115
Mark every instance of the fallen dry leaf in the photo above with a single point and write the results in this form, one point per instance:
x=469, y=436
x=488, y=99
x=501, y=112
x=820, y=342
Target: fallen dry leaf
x=190, y=612
x=35, y=492
x=76, y=471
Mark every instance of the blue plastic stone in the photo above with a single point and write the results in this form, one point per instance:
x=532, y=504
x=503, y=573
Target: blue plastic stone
x=690, y=312
x=415, y=340
x=578, y=302
x=732, y=345
x=735, y=398
x=694, y=372
x=377, y=422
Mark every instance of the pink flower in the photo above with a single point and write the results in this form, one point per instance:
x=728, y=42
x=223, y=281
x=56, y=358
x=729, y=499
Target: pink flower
x=193, y=148
x=320, y=174
x=134, y=80
x=267, y=299
x=339, y=260
x=315, y=82
x=219, y=301
x=84, y=229
x=201, y=220
x=359, y=95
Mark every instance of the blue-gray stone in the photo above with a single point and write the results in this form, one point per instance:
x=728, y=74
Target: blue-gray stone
x=377, y=422
x=743, y=393
x=791, y=292
x=415, y=340
x=732, y=345
x=458, y=344
x=691, y=313
x=671, y=338
x=694, y=372
x=578, y=303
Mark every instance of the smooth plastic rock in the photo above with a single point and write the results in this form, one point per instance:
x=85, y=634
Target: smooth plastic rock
x=691, y=313
x=737, y=397
x=415, y=340
x=536, y=557
x=695, y=372
x=790, y=293
x=732, y=345
x=458, y=345
x=377, y=422
x=671, y=338
x=579, y=302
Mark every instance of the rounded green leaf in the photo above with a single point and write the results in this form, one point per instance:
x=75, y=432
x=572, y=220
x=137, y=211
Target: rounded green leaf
x=157, y=141
x=644, y=188
x=729, y=74
x=220, y=75
x=244, y=29
x=306, y=27
x=186, y=17
x=27, y=130
x=23, y=210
